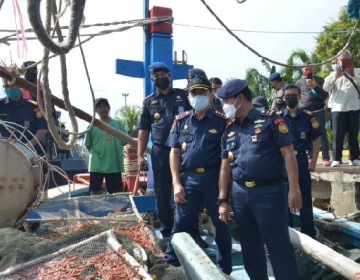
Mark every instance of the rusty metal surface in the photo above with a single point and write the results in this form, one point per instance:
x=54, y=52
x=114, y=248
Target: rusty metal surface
x=19, y=181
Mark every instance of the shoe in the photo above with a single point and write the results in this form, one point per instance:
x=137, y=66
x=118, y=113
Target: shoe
x=355, y=162
x=335, y=163
x=201, y=242
x=326, y=162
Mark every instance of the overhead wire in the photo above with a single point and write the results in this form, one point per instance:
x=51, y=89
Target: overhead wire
x=274, y=61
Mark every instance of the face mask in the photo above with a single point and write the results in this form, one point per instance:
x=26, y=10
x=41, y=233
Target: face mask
x=162, y=83
x=230, y=110
x=31, y=77
x=291, y=102
x=199, y=102
x=12, y=92
x=260, y=108
x=334, y=66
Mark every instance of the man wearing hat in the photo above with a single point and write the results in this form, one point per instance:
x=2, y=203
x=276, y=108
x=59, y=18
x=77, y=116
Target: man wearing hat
x=195, y=165
x=306, y=131
x=31, y=76
x=106, y=152
x=158, y=112
x=255, y=146
x=260, y=103
x=14, y=108
x=278, y=91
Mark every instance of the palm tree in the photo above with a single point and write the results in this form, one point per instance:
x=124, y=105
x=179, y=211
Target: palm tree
x=258, y=83
x=129, y=116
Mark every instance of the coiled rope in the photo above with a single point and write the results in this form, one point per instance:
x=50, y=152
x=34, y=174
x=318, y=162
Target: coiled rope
x=76, y=10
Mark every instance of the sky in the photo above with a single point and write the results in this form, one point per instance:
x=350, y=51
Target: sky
x=195, y=31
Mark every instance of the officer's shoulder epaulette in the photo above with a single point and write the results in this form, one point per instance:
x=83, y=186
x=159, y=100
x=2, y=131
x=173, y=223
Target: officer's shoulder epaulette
x=32, y=102
x=229, y=122
x=268, y=113
x=220, y=114
x=307, y=112
x=151, y=95
x=183, y=115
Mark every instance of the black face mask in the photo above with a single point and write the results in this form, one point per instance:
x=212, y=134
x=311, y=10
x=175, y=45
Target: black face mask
x=31, y=77
x=162, y=83
x=291, y=102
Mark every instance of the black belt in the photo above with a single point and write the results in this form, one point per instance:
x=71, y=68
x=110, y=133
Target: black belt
x=258, y=183
x=200, y=169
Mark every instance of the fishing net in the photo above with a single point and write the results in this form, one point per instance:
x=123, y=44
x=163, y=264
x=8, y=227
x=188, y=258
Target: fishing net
x=99, y=257
x=60, y=224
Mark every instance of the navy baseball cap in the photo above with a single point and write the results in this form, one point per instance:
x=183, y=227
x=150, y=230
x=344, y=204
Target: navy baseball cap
x=196, y=72
x=158, y=66
x=29, y=63
x=232, y=88
x=260, y=101
x=101, y=100
x=274, y=76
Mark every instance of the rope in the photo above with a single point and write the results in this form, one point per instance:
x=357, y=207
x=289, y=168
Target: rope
x=76, y=15
x=274, y=61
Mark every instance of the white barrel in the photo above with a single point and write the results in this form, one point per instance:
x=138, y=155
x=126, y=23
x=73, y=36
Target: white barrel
x=19, y=180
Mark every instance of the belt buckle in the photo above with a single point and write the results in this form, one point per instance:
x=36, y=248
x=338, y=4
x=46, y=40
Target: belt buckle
x=200, y=170
x=250, y=184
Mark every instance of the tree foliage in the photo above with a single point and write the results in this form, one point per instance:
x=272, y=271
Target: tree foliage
x=336, y=34
x=129, y=116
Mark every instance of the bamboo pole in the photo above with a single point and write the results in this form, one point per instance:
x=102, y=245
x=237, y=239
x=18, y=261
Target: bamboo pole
x=325, y=255
x=4, y=73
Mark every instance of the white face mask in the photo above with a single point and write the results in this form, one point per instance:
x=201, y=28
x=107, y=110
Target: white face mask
x=334, y=66
x=230, y=110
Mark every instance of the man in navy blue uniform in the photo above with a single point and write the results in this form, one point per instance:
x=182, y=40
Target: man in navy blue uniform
x=254, y=147
x=195, y=141
x=306, y=131
x=14, y=108
x=158, y=112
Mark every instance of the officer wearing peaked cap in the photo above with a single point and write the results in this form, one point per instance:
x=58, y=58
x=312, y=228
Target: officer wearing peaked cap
x=254, y=147
x=158, y=112
x=278, y=91
x=195, y=165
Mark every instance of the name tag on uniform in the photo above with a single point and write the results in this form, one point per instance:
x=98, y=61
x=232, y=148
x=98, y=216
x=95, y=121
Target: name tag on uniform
x=302, y=135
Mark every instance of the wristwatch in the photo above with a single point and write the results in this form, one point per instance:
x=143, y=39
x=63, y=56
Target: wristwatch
x=221, y=200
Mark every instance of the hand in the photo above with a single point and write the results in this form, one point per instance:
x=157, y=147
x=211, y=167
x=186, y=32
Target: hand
x=179, y=193
x=312, y=165
x=339, y=72
x=224, y=212
x=142, y=162
x=294, y=199
x=311, y=82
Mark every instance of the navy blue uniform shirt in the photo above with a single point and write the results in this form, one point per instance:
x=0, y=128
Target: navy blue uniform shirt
x=253, y=146
x=303, y=127
x=198, y=140
x=22, y=112
x=159, y=111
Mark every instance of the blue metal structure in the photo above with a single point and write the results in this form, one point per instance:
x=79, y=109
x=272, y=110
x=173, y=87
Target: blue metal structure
x=158, y=46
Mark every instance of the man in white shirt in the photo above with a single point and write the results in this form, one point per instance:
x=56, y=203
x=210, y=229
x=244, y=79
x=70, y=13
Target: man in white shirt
x=343, y=85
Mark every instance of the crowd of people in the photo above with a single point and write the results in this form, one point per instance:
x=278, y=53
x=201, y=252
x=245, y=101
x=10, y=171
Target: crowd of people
x=215, y=146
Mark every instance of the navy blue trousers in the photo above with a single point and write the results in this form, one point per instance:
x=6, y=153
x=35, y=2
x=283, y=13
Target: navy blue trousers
x=186, y=219
x=261, y=215
x=163, y=187
x=306, y=212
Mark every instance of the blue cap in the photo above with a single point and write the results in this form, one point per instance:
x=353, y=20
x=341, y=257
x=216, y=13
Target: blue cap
x=274, y=76
x=232, y=88
x=260, y=101
x=196, y=72
x=158, y=66
x=199, y=82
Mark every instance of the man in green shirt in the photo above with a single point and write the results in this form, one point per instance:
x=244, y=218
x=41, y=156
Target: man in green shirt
x=106, y=152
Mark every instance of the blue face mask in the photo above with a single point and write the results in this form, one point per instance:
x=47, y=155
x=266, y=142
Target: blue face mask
x=200, y=102
x=12, y=92
x=334, y=66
